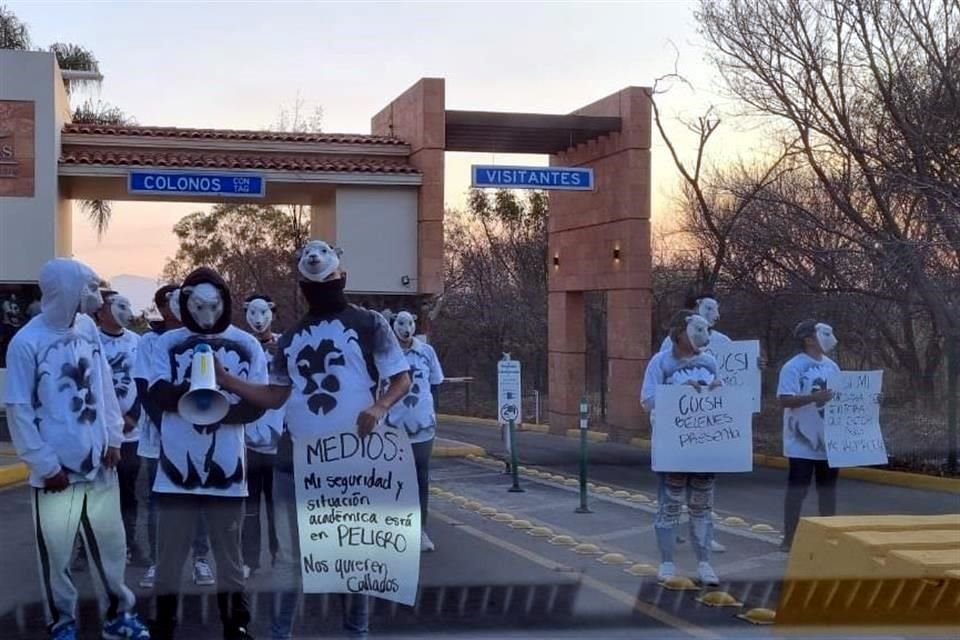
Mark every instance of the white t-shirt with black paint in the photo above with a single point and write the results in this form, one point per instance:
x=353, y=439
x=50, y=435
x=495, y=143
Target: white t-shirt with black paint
x=149, y=446
x=666, y=368
x=263, y=436
x=333, y=364
x=63, y=376
x=121, y=353
x=196, y=459
x=803, y=427
x=415, y=413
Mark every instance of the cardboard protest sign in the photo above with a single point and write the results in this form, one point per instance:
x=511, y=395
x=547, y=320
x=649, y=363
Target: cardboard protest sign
x=852, y=420
x=358, y=513
x=739, y=363
x=705, y=431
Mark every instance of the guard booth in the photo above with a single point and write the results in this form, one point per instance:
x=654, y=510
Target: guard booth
x=377, y=194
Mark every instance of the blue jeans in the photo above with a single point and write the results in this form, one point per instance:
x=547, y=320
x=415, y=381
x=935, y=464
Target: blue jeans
x=201, y=541
x=286, y=571
x=673, y=489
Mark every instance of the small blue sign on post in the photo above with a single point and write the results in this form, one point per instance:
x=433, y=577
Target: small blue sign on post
x=555, y=178
x=230, y=185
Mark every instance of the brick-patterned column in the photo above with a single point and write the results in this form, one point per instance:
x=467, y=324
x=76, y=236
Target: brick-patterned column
x=418, y=117
x=586, y=228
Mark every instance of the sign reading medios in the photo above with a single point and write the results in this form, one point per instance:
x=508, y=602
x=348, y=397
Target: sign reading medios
x=237, y=185
x=555, y=178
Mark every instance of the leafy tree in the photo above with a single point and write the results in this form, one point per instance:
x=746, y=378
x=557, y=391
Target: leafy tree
x=13, y=33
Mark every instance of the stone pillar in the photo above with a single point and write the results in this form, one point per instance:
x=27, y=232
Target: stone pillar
x=418, y=117
x=601, y=240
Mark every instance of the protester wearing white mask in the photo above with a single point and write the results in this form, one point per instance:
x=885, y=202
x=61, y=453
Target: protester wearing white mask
x=803, y=392
x=706, y=306
x=120, y=346
x=67, y=426
x=686, y=363
x=415, y=413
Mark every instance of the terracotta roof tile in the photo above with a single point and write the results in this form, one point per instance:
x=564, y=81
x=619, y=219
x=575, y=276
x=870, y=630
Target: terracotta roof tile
x=228, y=134
x=264, y=162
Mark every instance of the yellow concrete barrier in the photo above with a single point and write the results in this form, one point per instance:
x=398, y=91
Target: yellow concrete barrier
x=592, y=436
x=873, y=571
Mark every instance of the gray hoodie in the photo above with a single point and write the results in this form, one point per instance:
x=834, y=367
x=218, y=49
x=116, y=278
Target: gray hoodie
x=61, y=406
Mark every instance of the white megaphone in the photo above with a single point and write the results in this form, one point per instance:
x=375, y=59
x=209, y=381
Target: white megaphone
x=204, y=404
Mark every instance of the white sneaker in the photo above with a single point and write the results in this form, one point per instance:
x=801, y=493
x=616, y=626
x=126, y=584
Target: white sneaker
x=426, y=544
x=246, y=572
x=203, y=574
x=149, y=578
x=716, y=547
x=666, y=571
x=708, y=577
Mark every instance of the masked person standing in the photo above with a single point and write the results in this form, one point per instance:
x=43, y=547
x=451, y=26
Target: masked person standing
x=167, y=301
x=202, y=467
x=120, y=346
x=803, y=393
x=415, y=413
x=686, y=363
x=262, y=439
x=325, y=373
x=67, y=426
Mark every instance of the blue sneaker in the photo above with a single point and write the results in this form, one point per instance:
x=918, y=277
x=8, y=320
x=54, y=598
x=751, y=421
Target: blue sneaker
x=126, y=626
x=66, y=632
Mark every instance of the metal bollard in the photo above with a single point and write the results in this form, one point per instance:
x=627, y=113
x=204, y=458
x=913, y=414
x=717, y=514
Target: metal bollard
x=513, y=458
x=583, y=508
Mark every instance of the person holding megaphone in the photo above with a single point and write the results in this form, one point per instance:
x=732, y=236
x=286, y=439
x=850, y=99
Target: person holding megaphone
x=202, y=461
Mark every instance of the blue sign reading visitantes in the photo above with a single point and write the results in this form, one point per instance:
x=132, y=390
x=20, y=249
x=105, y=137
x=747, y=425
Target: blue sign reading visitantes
x=236, y=185
x=557, y=178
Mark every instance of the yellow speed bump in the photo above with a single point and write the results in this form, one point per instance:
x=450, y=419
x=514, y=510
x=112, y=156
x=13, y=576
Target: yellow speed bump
x=762, y=528
x=602, y=491
x=521, y=524
x=680, y=583
x=434, y=491
x=639, y=497
x=735, y=521
x=503, y=517
x=592, y=486
x=719, y=599
x=641, y=569
x=563, y=541
x=616, y=559
x=759, y=616
x=540, y=532
x=487, y=511
x=571, y=482
x=587, y=549
x=623, y=495
x=459, y=501
x=471, y=505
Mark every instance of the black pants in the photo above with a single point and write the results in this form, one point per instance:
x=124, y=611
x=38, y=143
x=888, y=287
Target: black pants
x=259, y=483
x=177, y=515
x=421, y=457
x=127, y=472
x=798, y=482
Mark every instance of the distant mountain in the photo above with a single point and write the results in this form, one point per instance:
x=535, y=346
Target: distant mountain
x=139, y=289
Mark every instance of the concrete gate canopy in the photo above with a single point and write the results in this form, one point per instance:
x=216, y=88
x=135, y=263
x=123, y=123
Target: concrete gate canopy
x=377, y=194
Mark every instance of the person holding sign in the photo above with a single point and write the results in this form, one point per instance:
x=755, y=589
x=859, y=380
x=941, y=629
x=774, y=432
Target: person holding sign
x=803, y=394
x=415, y=413
x=202, y=466
x=686, y=363
x=325, y=373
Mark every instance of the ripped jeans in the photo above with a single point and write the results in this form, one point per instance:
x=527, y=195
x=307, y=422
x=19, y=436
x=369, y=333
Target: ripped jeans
x=696, y=489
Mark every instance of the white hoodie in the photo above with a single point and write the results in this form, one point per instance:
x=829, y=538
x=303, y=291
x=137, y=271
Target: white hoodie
x=61, y=406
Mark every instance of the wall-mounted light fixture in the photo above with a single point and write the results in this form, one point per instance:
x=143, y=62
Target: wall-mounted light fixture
x=556, y=261
x=405, y=281
x=616, y=253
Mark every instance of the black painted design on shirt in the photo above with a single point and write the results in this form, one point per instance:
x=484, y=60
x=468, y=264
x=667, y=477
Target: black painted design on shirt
x=319, y=363
x=75, y=380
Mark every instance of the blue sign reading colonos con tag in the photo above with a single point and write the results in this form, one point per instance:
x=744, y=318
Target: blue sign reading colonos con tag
x=232, y=185
x=554, y=178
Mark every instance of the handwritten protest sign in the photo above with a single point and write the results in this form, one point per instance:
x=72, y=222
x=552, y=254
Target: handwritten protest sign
x=359, y=514
x=852, y=420
x=702, y=432
x=740, y=366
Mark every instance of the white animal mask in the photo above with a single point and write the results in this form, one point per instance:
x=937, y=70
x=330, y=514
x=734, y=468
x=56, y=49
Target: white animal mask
x=709, y=309
x=90, y=298
x=121, y=311
x=259, y=314
x=173, y=302
x=825, y=337
x=318, y=260
x=11, y=313
x=698, y=330
x=405, y=325
x=204, y=304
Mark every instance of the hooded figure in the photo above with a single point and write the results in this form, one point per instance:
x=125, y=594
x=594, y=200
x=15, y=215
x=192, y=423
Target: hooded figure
x=67, y=426
x=202, y=467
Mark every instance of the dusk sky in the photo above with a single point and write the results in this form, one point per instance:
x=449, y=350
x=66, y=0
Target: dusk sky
x=234, y=65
